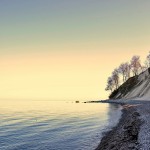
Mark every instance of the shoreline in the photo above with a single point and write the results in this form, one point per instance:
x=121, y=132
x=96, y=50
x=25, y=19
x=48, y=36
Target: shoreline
x=125, y=135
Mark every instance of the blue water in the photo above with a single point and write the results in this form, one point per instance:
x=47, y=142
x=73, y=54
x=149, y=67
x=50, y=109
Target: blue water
x=44, y=125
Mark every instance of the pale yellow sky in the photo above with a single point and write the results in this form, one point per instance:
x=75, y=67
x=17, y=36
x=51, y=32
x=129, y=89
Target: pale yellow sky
x=65, y=50
x=59, y=76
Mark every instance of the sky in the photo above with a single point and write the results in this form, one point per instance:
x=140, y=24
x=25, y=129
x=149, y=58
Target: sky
x=66, y=49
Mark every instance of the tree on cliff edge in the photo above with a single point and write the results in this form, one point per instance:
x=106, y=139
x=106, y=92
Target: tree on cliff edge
x=110, y=84
x=125, y=69
x=115, y=77
x=135, y=65
x=148, y=60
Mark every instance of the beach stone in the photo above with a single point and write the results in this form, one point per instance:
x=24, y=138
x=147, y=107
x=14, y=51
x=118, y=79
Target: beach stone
x=125, y=135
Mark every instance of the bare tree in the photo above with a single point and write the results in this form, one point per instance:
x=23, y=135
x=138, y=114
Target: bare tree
x=110, y=84
x=135, y=65
x=115, y=77
x=125, y=69
x=147, y=62
x=128, y=70
x=122, y=70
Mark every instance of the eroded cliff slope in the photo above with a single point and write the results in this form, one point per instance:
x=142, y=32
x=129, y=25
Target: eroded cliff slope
x=137, y=87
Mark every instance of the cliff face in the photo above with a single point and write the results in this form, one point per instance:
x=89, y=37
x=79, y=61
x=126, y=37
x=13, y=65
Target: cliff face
x=137, y=87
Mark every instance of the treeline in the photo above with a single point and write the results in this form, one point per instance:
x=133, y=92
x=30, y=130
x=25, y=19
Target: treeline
x=125, y=71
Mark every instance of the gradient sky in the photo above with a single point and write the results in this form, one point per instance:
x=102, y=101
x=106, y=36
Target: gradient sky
x=66, y=49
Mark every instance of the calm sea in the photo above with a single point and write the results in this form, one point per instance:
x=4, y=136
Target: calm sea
x=47, y=125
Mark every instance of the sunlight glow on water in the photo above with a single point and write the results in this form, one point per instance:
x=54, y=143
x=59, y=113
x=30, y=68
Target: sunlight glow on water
x=40, y=125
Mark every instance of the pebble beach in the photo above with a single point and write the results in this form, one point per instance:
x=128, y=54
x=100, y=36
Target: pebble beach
x=132, y=132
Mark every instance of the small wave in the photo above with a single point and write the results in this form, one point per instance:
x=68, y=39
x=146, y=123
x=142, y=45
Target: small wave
x=76, y=129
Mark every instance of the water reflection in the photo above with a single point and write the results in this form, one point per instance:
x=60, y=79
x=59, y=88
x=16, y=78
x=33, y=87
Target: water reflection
x=72, y=125
x=114, y=111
